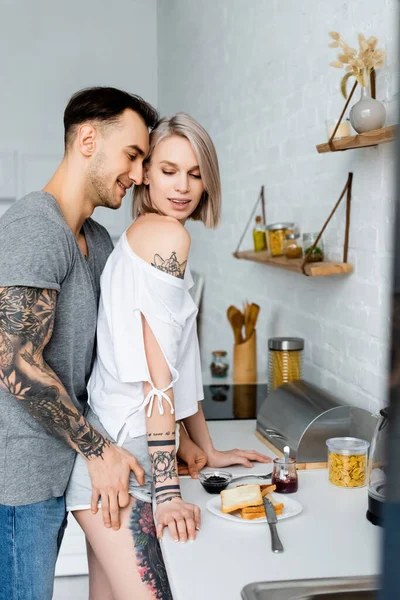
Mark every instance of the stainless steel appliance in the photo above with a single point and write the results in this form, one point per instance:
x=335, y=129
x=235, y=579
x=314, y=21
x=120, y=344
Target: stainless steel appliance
x=338, y=588
x=302, y=416
x=377, y=470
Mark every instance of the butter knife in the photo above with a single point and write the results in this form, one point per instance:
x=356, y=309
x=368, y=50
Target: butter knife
x=276, y=544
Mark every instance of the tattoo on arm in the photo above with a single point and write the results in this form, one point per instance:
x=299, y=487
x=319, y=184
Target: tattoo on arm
x=26, y=326
x=163, y=463
x=164, y=466
x=171, y=265
x=153, y=443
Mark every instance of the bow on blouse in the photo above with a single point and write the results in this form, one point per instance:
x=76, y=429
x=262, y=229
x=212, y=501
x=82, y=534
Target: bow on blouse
x=160, y=394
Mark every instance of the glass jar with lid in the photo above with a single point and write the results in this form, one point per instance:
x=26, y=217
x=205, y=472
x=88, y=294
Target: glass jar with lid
x=347, y=461
x=291, y=246
x=277, y=233
x=318, y=252
x=284, y=361
x=219, y=365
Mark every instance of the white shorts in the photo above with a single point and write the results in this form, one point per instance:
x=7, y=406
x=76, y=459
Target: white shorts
x=79, y=489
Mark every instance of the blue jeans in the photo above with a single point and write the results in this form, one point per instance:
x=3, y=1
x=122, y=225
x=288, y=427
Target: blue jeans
x=30, y=538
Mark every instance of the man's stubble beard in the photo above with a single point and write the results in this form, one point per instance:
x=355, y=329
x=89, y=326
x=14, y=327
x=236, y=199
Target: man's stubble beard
x=98, y=180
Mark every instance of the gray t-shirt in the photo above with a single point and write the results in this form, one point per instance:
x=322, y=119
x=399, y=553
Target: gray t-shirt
x=38, y=249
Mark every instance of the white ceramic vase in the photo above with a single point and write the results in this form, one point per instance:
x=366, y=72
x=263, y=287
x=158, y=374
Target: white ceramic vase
x=367, y=114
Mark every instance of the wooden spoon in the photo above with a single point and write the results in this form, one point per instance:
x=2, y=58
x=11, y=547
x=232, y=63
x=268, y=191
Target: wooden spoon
x=236, y=319
x=237, y=322
x=254, y=310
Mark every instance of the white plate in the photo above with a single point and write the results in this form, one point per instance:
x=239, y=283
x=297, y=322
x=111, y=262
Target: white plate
x=292, y=507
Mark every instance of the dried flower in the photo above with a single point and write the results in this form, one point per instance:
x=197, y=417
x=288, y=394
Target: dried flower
x=359, y=64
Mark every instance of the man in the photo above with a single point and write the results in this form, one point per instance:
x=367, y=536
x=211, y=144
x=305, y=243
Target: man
x=52, y=255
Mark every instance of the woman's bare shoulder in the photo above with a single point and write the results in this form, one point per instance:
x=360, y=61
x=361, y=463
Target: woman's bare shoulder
x=153, y=234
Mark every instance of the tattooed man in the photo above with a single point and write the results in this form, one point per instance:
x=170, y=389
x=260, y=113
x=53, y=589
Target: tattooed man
x=52, y=254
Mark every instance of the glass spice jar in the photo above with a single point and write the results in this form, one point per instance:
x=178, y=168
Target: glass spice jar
x=318, y=252
x=277, y=233
x=291, y=246
x=219, y=366
x=285, y=362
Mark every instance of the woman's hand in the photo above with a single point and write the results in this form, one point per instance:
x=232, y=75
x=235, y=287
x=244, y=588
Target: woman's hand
x=227, y=458
x=189, y=452
x=181, y=518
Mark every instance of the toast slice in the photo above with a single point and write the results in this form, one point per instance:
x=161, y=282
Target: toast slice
x=256, y=512
x=251, y=516
x=240, y=497
x=266, y=489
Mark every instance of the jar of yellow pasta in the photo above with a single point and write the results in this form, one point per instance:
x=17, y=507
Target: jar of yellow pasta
x=277, y=233
x=347, y=461
x=284, y=361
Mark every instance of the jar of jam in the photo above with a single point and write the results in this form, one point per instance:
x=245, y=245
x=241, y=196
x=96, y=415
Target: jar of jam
x=219, y=366
x=284, y=476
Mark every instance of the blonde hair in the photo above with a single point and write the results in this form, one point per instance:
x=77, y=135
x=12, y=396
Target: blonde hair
x=209, y=209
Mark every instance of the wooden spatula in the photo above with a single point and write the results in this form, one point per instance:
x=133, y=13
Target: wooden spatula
x=251, y=321
x=236, y=319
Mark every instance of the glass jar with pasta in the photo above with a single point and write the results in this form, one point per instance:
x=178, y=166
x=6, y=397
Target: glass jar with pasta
x=284, y=361
x=277, y=233
x=347, y=461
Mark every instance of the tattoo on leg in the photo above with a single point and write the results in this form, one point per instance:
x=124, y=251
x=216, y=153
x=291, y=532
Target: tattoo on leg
x=149, y=558
x=170, y=265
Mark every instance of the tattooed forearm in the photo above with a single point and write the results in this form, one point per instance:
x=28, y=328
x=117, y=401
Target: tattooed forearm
x=171, y=265
x=163, y=463
x=43, y=367
x=167, y=497
x=158, y=434
x=26, y=325
x=162, y=453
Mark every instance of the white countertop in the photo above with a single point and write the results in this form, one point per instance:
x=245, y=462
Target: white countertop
x=330, y=538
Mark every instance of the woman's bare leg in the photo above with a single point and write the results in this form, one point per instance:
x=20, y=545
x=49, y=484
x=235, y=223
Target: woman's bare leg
x=99, y=587
x=130, y=557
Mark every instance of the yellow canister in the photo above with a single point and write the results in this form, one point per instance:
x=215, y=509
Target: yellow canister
x=277, y=233
x=285, y=361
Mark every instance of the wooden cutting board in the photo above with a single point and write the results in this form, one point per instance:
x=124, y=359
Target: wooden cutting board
x=300, y=466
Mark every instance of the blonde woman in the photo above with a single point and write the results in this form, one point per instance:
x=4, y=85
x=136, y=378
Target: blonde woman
x=147, y=373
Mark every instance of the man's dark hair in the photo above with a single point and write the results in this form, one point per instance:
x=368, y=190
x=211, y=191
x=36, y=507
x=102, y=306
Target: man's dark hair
x=104, y=104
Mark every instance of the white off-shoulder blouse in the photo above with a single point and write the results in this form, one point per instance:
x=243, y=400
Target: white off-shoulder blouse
x=130, y=287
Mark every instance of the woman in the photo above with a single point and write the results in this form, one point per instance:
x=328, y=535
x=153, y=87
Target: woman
x=147, y=373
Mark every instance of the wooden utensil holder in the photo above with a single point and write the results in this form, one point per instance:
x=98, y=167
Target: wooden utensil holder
x=245, y=361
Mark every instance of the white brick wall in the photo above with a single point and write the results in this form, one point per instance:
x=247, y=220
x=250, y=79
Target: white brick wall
x=255, y=73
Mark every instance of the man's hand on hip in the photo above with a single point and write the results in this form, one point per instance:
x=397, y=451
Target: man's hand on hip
x=109, y=475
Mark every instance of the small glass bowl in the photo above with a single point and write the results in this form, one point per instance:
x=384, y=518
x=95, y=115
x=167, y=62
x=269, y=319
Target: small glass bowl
x=215, y=481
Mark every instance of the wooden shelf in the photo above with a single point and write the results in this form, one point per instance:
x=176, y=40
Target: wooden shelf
x=362, y=140
x=317, y=269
